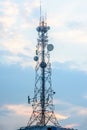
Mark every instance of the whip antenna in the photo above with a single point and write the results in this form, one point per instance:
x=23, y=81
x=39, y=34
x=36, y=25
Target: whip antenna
x=40, y=10
x=43, y=11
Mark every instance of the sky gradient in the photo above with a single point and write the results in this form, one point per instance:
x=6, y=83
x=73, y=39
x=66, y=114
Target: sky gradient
x=18, y=38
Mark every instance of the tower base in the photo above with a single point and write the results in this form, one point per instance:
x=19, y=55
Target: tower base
x=45, y=128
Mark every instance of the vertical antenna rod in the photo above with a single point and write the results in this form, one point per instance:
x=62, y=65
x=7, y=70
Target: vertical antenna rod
x=40, y=11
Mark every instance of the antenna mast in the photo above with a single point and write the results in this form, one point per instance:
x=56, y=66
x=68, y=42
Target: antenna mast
x=40, y=11
x=43, y=108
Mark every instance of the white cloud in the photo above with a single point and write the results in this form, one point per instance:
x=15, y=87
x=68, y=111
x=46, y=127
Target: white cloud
x=18, y=116
x=83, y=112
x=9, y=11
x=85, y=96
x=18, y=51
x=71, y=109
x=9, y=8
x=22, y=110
x=74, y=35
x=16, y=46
x=68, y=20
x=71, y=125
x=76, y=115
x=61, y=117
x=7, y=21
x=13, y=38
x=13, y=59
x=30, y=6
x=71, y=50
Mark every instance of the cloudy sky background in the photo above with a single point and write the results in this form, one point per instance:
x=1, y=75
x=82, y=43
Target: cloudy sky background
x=68, y=21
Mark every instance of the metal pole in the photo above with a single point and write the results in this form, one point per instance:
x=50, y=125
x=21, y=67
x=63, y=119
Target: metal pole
x=43, y=85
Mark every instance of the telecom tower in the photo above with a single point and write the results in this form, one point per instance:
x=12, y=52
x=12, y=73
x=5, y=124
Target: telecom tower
x=43, y=116
x=43, y=109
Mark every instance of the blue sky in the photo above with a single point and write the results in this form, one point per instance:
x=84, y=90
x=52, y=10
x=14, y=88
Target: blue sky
x=68, y=22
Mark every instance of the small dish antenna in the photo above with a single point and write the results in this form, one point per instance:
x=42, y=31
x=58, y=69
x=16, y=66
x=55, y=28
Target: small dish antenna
x=50, y=47
x=36, y=58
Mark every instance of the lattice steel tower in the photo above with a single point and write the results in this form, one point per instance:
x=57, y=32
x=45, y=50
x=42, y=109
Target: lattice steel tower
x=43, y=117
x=43, y=108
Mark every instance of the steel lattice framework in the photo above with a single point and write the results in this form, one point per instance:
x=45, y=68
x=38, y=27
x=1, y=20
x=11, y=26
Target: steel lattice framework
x=42, y=102
x=43, y=108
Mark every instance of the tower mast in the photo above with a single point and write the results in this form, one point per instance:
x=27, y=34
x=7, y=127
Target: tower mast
x=43, y=117
x=43, y=108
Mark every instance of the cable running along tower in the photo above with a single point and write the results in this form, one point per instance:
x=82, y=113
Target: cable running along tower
x=42, y=103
